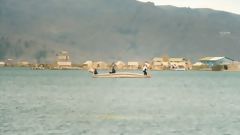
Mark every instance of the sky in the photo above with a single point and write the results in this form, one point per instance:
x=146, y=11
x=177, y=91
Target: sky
x=225, y=5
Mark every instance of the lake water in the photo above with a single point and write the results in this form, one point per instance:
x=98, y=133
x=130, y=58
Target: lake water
x=74, y=103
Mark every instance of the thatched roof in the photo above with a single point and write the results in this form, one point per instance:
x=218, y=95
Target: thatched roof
x=177, y=59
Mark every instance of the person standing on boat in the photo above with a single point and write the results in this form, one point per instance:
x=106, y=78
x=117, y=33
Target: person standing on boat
x=113, y=68
x=95, y=71
x=145, y=69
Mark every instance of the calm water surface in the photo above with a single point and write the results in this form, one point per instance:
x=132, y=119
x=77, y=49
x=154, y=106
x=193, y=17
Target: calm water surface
x=73, y=103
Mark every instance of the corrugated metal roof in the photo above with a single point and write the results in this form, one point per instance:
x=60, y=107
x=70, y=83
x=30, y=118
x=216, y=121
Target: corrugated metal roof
x=211, y=58
x=206, y=58
x=217, y=58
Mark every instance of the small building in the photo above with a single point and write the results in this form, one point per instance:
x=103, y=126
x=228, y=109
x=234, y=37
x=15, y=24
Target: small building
x=2, y=64
x=120, y=65
x=160, y=63
x=214, y=61
x=133, y=65
x=63, y=59
x=180, y=63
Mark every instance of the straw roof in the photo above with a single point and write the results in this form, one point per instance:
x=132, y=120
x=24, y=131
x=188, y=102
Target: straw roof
x=177, y=59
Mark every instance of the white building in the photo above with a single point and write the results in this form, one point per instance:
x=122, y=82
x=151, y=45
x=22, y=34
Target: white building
x=2, y=64
x=63, y=59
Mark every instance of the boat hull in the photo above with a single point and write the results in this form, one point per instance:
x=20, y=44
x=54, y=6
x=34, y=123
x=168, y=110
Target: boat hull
x=121, y=75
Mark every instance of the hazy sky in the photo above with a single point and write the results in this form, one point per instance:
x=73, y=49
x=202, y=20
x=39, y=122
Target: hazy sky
x=225, y=5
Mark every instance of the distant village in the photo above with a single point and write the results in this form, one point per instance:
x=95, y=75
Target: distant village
x=63, y=62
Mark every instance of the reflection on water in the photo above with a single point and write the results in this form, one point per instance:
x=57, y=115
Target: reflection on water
x=72, y=102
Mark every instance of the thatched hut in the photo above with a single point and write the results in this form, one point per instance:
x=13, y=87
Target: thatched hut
x=120, y=65
x=88, y=64
x=133, y=65
x=180, y=63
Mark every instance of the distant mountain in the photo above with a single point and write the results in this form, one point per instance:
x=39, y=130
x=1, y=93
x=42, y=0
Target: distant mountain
x=113, y=30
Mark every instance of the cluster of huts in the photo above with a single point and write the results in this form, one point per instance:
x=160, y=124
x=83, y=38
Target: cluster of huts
x=155, y=64
x=12, y=63
x=158, y=63
x=178, y=64
x=119, y=65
